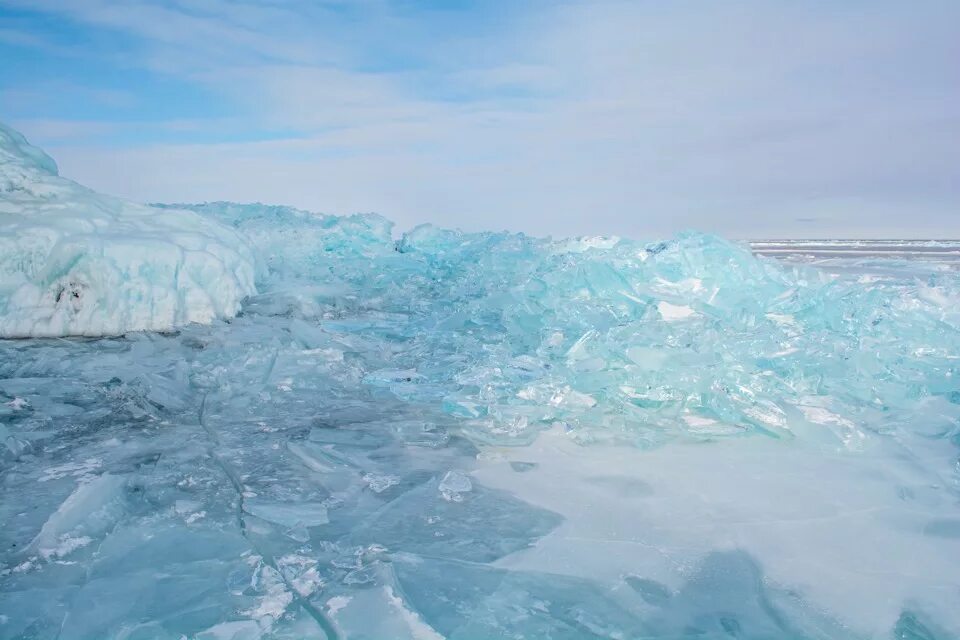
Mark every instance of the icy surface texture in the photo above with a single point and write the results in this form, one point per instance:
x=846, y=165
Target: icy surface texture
x=472, y=436
x=75, y=262
x=693, y=337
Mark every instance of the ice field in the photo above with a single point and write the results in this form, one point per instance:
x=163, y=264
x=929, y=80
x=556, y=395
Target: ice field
x=226, y=421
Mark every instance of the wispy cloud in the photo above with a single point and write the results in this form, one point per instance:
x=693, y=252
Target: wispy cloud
x=571, y=117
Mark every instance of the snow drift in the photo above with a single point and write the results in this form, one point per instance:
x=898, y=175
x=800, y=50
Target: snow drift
x=76, y=262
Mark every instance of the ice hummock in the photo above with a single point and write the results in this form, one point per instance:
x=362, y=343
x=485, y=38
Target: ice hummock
x=75, y=262
x=463, y=436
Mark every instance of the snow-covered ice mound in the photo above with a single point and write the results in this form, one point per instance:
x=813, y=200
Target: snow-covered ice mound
x=75, y=262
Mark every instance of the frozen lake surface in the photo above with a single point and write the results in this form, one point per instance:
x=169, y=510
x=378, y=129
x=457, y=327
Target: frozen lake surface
x=865, y=255
x=488, y=436
x=284, y=425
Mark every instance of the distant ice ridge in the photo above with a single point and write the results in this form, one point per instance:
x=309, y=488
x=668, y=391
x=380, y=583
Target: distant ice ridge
x=75, y=262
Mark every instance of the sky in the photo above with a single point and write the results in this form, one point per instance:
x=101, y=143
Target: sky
x=749, y=118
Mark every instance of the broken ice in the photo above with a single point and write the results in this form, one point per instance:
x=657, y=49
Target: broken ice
x=458, y=435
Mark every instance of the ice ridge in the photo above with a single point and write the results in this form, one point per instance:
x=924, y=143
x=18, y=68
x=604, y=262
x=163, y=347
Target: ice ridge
x=76, y=262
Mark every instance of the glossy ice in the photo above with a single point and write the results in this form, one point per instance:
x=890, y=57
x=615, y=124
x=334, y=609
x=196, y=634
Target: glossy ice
x=491, y=435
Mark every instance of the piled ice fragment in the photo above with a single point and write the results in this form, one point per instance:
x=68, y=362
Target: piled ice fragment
x=345, y=457
x=693, y=337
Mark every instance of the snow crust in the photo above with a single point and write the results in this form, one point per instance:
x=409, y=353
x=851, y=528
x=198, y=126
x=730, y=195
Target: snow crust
x=75, y=262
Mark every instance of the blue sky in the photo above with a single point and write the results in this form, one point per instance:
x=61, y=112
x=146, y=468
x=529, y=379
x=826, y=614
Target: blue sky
x=751, y=118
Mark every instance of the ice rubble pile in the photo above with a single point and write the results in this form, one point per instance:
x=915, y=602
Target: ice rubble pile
x=75, y=262
x=691, y=337
x=320, y=466
x=613, y=338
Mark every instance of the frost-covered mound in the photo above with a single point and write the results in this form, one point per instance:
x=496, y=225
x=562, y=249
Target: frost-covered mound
x=75, y=262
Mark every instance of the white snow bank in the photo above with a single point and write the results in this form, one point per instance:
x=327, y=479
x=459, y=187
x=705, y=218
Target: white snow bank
x=75, y=262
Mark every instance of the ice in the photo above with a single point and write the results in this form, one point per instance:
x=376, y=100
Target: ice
x=301, y=513
x=460, y=435
x=453, y=485
x=495, y=603
x=380, y=483
x=91, y=509
x=463, y=521
x=802, y=514
x=75, y=262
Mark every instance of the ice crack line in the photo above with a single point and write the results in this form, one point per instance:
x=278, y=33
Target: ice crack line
x=231, y=474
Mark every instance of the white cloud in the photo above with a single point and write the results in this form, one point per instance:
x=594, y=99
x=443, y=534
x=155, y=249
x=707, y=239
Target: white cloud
x=633, y=118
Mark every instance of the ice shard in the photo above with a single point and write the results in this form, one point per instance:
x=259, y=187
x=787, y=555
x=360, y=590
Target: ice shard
x=462, y=435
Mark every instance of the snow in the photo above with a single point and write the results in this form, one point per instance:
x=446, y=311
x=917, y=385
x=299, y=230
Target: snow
x=673, y=312
x=75, y=262
x=419, y=630
x=336, y=603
